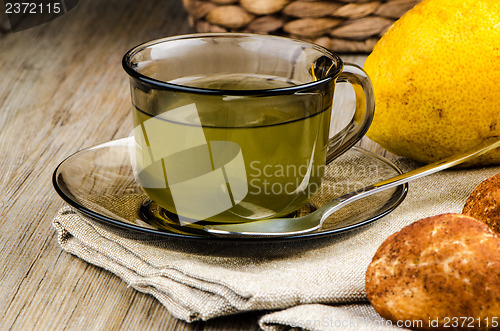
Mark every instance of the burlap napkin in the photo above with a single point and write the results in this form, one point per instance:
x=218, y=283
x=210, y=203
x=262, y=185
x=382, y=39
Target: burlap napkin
x=316, y=284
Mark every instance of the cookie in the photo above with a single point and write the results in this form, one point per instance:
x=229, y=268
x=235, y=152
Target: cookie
x=436, y=269
x=484, y=203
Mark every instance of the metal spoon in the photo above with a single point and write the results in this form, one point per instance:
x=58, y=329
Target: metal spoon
x=313, y=221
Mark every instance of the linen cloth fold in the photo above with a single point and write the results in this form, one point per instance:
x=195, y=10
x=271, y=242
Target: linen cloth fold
x=312, y=286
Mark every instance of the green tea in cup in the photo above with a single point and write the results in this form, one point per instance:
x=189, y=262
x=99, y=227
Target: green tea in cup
x=235, y=127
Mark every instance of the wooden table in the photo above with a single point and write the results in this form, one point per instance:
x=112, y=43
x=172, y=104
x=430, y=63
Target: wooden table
x=62, y=88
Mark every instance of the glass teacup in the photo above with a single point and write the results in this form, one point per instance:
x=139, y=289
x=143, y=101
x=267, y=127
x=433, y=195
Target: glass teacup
x=235, y=127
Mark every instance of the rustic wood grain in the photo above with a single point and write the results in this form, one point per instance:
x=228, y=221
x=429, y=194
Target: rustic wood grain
x=62, y=89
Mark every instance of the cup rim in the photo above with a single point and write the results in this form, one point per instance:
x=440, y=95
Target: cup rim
x=162, y=85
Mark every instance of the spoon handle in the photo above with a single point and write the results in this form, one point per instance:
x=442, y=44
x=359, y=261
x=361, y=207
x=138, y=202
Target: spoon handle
x=484, y=147
x=313, y=221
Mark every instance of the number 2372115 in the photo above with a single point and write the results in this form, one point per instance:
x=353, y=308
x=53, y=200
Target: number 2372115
x=32, y=8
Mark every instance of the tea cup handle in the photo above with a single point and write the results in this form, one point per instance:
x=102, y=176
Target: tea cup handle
x=363, y=115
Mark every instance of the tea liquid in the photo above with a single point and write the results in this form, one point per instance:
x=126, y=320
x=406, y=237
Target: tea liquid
x=231, y=158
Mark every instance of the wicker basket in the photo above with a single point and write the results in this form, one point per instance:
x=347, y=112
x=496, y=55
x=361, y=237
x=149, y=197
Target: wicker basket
x=345, y=26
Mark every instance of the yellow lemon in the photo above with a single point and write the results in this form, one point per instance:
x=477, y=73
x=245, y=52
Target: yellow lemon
x=436, y=78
